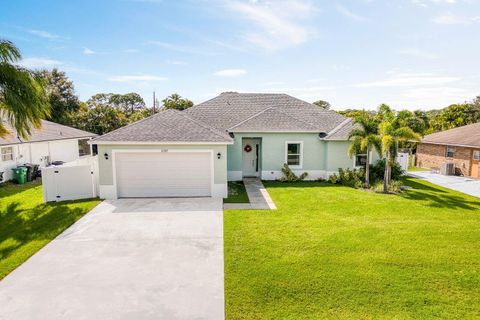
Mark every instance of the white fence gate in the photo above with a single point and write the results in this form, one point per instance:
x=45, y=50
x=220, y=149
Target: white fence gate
x=71, y=181
x=402, y=160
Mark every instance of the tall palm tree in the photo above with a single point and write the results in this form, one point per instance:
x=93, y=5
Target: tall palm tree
x=23, y=100
x=365, y=139
x=390, y=137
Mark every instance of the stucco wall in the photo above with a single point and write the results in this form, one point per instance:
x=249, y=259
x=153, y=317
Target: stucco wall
x=320, y=158
x=434, y=156
x=105, y=166
x=35, y=152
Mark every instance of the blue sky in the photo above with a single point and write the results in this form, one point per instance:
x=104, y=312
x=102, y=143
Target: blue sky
x=410, y=54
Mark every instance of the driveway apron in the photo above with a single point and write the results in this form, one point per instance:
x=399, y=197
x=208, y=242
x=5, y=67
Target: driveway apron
x=126, y=259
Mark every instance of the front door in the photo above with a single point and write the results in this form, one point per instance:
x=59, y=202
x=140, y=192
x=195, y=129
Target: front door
x=475, y=164
x=251, y=149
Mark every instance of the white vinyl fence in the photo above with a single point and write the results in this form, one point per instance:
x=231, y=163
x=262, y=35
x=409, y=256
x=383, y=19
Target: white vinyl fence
x=402, y=160
x=70, y=181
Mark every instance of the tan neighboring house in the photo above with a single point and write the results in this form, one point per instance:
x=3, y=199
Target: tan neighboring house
x=459, y=146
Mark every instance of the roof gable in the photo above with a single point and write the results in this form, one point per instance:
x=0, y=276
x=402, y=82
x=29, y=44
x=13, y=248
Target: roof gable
x=229, y=110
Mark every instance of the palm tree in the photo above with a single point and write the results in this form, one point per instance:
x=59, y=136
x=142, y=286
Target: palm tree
x=23, y=100
x=365, y=138
x=390, y=137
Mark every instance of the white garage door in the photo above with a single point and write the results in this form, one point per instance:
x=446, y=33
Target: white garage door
x=163, y=174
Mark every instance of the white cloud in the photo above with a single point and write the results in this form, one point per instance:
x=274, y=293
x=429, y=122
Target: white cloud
x=88, y=52
x=425, y=3
x=409, y=80
x=418, y=53
x=35, y=62
x=277, y=24
x=352, y=15
x=130, y=78
x=44, y=34
x=452, y=19
x=176, y=62
x=230, y=72
x=179, y=48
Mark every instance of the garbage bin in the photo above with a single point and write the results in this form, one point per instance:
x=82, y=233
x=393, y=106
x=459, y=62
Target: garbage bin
x=31, y=171
x=20, y=174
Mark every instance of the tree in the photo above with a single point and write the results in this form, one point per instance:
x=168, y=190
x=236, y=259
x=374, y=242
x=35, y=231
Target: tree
x=128, y=103
x=23, y=100
x=390, y=138
x=365, y=138
x=323, y=104
x=98, y=118
x=61, y=94
x=175, y=101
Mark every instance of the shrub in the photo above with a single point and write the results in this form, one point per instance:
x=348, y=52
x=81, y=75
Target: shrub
x=377, y=171
x=289, y=176
x=394, y=187
x=351, y=177
x=333, y=179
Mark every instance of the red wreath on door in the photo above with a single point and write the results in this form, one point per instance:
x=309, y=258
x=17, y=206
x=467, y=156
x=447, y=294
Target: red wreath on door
x=247, y=148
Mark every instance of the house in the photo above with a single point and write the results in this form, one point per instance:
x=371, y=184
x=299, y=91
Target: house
x=459, y=146
x=52, y=142
x=232, y=136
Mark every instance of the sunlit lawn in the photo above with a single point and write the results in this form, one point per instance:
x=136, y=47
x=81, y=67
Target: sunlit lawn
x=27, y=224
x=332, y=252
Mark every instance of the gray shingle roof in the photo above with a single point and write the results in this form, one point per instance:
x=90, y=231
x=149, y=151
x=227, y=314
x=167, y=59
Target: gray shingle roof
x=166, y=126
x=342, y=131
x=48, y=132
x=228, y=110
x=468, y=135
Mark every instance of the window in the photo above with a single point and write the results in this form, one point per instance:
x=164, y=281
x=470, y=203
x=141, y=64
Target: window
x=360, y=160
x=450, y=152
x=294, y=154
x=83, y=147
x=476, y=155
x=7, y=154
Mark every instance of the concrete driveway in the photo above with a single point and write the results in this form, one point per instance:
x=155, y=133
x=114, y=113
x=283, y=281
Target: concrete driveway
x=463, y=184
x=126, y=259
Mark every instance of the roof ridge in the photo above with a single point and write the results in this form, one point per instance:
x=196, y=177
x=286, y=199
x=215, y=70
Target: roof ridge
x=340, y=126
x=251, y=117
x=310, y=124
x=203, y=124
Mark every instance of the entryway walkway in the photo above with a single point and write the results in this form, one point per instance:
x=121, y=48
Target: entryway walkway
x=126, y=259
x=257, y=195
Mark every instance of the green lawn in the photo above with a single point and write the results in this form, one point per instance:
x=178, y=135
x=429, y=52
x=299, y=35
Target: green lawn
x=27, y=224
x=236, y=193
x=332, y=252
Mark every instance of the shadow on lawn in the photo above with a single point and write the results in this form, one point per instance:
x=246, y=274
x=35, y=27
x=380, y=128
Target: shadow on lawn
x=43, y=222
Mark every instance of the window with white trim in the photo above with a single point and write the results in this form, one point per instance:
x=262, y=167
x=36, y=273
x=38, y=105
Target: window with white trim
x=7, y=153
x=476, y=155
x=83, y=147
x=360, y=160
x=450, y=152
x=294, y=154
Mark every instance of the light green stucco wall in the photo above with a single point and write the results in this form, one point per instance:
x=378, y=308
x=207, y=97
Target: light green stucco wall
x=106, y=171
x=317, y=154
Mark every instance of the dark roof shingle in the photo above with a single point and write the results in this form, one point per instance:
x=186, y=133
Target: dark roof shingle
x=48, y=132
x=166, y=126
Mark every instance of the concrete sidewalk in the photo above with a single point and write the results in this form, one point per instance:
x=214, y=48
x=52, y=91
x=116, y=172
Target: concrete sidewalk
x=462, y=184
x=126, y=259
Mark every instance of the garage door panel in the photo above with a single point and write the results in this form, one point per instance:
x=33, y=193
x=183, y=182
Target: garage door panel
x=163, y=174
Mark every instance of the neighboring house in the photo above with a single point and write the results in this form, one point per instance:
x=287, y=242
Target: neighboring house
x=460, y=146
x=235, y=135
x=52, y=142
